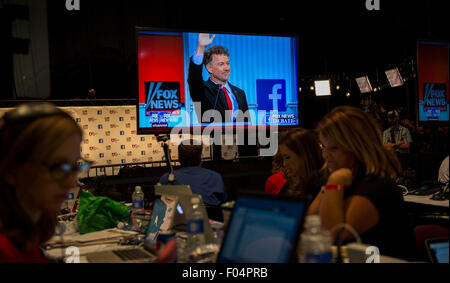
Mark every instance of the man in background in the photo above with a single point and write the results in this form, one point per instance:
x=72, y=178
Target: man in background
x=205, y=182
x=398, y=138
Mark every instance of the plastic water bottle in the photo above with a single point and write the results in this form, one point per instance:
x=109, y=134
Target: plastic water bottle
x=195, y=228
x=315, y=242
x=138, y=198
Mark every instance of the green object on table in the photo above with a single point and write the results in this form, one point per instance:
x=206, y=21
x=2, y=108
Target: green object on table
x=98, y=213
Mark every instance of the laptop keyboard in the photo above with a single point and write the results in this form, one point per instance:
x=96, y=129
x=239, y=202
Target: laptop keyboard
x=132, y=254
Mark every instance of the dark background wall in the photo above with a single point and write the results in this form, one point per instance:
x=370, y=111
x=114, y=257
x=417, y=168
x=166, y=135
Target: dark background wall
x=94, y=48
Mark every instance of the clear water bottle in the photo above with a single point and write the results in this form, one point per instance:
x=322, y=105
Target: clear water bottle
x=195, y=228
x=138, y=199
x=315, y=242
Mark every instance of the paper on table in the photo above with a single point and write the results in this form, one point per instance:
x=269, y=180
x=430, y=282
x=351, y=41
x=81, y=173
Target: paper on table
x=103, y=235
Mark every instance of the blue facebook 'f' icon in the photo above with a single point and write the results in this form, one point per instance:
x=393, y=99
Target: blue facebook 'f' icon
x=271, y=94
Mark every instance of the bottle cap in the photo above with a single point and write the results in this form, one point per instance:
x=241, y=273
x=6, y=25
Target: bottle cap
x=312, y=220
x=195, y=200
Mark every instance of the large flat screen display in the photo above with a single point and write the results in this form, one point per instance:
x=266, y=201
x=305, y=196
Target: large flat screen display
x=192, y=79
x=432, y=61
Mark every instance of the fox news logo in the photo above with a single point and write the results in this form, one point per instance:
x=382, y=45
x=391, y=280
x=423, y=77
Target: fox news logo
x=163, y=95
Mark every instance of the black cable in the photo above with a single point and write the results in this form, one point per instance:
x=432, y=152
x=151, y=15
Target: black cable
x=339, y=244
x=171, y=177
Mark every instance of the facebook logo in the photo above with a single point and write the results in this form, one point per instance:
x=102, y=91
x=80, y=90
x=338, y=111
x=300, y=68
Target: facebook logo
x=122, y=147
x=122, y=133
x=271, y=94
x=100, y=140
x=100, y=126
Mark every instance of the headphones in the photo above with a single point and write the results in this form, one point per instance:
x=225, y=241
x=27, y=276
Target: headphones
x=29, y=112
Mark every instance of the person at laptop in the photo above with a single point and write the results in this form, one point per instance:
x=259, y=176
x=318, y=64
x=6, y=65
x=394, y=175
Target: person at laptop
x=40, y=159
x=207, y=183
x=276, y=182
x=301, y=161
x=360, y=190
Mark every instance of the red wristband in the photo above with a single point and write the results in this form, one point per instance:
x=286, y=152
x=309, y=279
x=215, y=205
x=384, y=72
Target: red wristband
x=334, y=187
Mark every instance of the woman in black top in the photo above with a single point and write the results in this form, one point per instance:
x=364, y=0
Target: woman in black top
x=360, y=190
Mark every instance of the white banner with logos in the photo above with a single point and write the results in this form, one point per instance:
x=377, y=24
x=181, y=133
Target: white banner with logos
x=110, y=137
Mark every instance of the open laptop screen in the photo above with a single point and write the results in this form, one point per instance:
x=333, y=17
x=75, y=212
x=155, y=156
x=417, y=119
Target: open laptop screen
x=162, y=217
x=438, y=250
x=262, y=230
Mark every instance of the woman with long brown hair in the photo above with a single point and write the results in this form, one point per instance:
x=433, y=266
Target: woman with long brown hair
x=360, y=190
x=40, y=156
x=301, y=161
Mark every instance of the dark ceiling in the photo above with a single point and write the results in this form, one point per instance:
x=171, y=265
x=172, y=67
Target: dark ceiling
x=95, y=46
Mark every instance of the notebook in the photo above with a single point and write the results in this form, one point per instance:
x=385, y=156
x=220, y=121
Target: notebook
x=263, y=229
x=164, y=207
x=437, y=250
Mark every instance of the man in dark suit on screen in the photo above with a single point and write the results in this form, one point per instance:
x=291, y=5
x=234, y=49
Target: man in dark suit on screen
x=216, y=93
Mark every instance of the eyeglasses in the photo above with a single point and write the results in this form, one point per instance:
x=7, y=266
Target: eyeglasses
x=332, y=148
x=61, y=171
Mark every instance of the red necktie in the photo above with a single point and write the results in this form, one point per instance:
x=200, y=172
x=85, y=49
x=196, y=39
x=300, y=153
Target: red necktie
x=230, y=105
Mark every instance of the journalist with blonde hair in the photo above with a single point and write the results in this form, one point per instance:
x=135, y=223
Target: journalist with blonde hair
x=360, y=190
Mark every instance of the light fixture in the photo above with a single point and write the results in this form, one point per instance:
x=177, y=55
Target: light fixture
x=347, y=94
x=322, y=87
x=364, y=84
x=394, y=77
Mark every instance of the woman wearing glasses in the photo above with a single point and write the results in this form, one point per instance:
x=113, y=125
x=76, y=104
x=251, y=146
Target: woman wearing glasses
x=40, y=159
x=360, y=190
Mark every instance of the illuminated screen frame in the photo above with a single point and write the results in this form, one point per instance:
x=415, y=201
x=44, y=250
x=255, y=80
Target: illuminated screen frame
x=432, y=73
x=266, y=80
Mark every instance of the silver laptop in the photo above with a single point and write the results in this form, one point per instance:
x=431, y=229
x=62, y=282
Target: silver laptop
x=162, y=218
x=263, y=229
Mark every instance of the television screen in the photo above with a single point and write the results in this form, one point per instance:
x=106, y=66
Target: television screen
x=191, y=79
x=432, y=78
